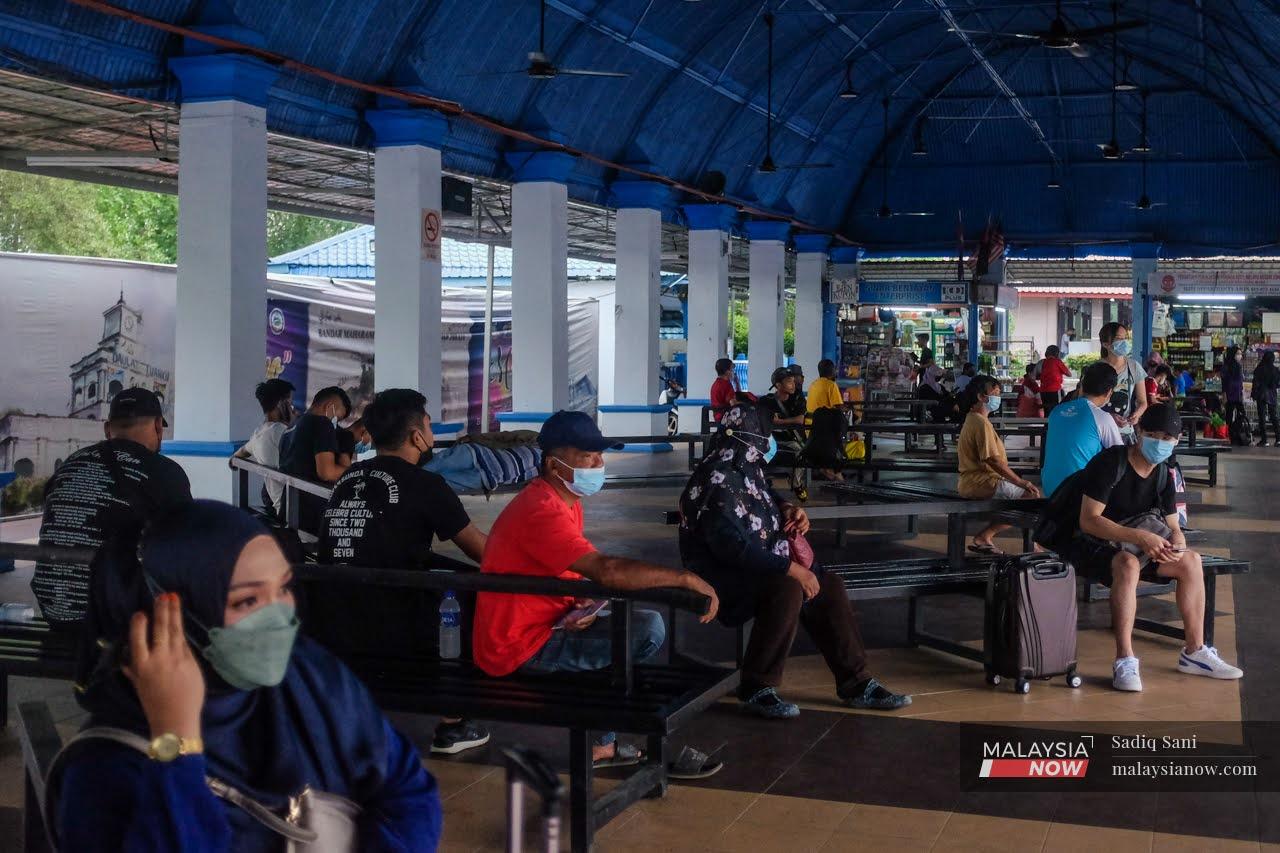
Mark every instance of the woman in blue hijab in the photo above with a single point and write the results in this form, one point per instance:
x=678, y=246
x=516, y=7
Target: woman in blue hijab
x=219, y=661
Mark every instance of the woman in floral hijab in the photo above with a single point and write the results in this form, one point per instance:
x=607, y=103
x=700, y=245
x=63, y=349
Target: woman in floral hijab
x=737, y=534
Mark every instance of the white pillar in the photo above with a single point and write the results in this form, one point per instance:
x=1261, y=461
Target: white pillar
x=709, y=227
x=768, y=263
x=539, y=287
x=408, y=224
x=222, y=255
x=811, y=267
x=634, y=409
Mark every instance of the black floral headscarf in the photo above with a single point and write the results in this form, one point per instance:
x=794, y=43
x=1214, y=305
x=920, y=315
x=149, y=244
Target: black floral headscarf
x=730, y=482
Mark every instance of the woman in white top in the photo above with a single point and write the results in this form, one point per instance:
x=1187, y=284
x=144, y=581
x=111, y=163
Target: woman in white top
x=1129, y=399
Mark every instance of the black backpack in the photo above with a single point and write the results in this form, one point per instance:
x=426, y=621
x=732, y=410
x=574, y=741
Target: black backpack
x=1059, y=521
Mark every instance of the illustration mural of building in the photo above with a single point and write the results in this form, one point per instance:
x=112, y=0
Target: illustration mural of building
x=118, y=362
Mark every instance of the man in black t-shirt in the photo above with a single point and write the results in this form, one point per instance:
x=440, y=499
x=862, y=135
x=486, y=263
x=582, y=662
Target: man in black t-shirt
x=385, y=513
x=310, y=450
x=1130, y=532
x=104, y=490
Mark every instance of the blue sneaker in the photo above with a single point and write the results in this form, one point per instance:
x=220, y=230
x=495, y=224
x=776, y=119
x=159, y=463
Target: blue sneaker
x=766, y=703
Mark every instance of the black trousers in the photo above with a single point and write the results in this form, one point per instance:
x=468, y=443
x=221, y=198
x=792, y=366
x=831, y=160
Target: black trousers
x=1265, y=411
x=829, y=619
x=1050, y=399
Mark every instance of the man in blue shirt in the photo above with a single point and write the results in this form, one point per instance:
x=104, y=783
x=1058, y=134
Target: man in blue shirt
x=1078, y=430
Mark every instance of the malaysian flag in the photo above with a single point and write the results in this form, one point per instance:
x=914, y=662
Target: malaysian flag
x=990, y=249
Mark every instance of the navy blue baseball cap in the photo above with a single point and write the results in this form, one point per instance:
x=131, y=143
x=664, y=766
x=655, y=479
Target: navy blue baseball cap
x=574, y=429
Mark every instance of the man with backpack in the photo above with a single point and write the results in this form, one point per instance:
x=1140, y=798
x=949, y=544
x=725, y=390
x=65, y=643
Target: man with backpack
x=1129, y=532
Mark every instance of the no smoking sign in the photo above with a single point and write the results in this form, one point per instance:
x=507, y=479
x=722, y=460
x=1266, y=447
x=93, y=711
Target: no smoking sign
x=430, y=235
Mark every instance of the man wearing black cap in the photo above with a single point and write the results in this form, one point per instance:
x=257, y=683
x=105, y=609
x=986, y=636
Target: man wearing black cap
x=1130, y=532
x=540, y=533
x=104, y=490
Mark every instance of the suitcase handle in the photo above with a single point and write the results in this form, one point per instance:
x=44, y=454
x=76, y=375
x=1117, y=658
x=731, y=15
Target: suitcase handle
x=1049, y=570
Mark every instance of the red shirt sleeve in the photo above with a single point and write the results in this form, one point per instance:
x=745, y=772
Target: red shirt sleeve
x=722, y=394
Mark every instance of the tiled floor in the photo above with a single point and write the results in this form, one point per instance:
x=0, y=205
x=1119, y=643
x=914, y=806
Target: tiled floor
x=841, y=780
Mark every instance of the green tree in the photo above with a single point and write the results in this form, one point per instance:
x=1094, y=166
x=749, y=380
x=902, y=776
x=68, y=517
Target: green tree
x=289, y=231
x=742, y=327
x=140, y=226
x=50, y=216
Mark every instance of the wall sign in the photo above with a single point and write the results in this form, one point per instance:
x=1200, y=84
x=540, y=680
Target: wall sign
x=912, y=292
x=1176, y=282
x=843, y=290
x=431, y=235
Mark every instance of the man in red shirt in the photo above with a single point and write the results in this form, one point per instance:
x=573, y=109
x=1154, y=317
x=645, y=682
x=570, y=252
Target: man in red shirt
x=540, y=533
x=1052, y=371
x=724, y=391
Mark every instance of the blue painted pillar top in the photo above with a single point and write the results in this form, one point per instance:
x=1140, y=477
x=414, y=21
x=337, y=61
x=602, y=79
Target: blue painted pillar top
x=206, y=73
x=710, y=217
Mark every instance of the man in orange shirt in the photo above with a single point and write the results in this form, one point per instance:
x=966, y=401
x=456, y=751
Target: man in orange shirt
x=540, y=533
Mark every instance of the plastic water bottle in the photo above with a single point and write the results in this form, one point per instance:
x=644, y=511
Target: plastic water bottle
x=17, y=612
x=450, y=627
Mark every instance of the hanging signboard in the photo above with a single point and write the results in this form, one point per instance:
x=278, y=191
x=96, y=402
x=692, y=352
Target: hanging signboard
x=894, y=292
x=1186, y=282
x=843, y=291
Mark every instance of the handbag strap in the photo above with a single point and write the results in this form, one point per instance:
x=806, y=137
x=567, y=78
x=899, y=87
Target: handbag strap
x=134, y=741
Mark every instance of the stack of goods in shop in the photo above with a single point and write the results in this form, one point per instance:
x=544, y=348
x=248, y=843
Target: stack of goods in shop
x=889, y=369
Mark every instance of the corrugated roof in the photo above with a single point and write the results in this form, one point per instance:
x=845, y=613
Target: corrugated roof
x=695, y=100
x=351, y=255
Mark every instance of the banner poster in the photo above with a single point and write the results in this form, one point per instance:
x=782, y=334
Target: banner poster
x=75, y=331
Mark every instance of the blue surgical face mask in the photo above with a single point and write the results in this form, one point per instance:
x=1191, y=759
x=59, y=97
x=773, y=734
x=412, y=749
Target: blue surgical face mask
x=363, y=448
x=586, y=481
x=1157, y=450
x=993, y=403
x=772, y=451
x=1122, y=348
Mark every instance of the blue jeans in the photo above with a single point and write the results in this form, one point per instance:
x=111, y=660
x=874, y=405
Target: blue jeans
x=592, y=648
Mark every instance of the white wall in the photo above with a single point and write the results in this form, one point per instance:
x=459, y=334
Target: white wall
x=1036, y=318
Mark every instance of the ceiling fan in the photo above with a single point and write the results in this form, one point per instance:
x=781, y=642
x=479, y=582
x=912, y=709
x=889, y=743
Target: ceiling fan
x=1144, y=201
x=540, y=65
x=885, y=212
x=1111, y=149
x=1061, y=36
x=766, y=165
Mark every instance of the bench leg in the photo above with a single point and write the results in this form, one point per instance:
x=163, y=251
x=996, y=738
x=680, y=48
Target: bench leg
x=4, y=699
x=913, y=619
x=658, y=754
x=1213, y=470
x=1210, y=605
x=1027, y=544
x=33, y=835
x=581, y=817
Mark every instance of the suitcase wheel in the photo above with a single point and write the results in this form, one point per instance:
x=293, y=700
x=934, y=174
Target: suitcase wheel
x=993, y=679
x=1022, y=686
x=1073, y=680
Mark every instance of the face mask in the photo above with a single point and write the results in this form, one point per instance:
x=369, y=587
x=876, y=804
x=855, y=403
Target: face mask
x=993, y=403
x=363, y=447
x=1122, y=348
x=772, y=451
x=334, y=421
x=1156, y=450
x=586, y=481
x=255, y=651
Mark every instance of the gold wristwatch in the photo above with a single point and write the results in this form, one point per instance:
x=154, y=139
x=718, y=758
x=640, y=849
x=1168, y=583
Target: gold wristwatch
x=169, y=746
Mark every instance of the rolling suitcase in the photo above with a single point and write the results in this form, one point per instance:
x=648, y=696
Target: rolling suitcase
x=1030, y=620
x=527, y=769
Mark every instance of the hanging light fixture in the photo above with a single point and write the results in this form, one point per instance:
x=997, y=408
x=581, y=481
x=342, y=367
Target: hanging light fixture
x=920, y=150
x=1054, y=183
x=1124, y=84
x=1111, y=148
x=847, y=92
x=1144, y=144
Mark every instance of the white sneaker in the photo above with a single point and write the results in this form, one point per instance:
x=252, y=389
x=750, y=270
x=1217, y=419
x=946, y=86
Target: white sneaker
x=1205, y=661
x=1125, y=675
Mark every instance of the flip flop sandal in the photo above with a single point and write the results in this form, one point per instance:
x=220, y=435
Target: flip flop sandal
x=693, y=764
x=986, y=549
x=624, y=755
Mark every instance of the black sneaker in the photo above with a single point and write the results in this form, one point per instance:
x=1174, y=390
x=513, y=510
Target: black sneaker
x=452, y=738
x=871, y=695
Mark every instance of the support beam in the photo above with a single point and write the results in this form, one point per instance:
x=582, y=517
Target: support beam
x=222, y=257
x=811, y=267
x=1144, y=257
x=409, y=225
x=539, y=286
x=709, y=227
x=633, y=409
x=765, y=301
